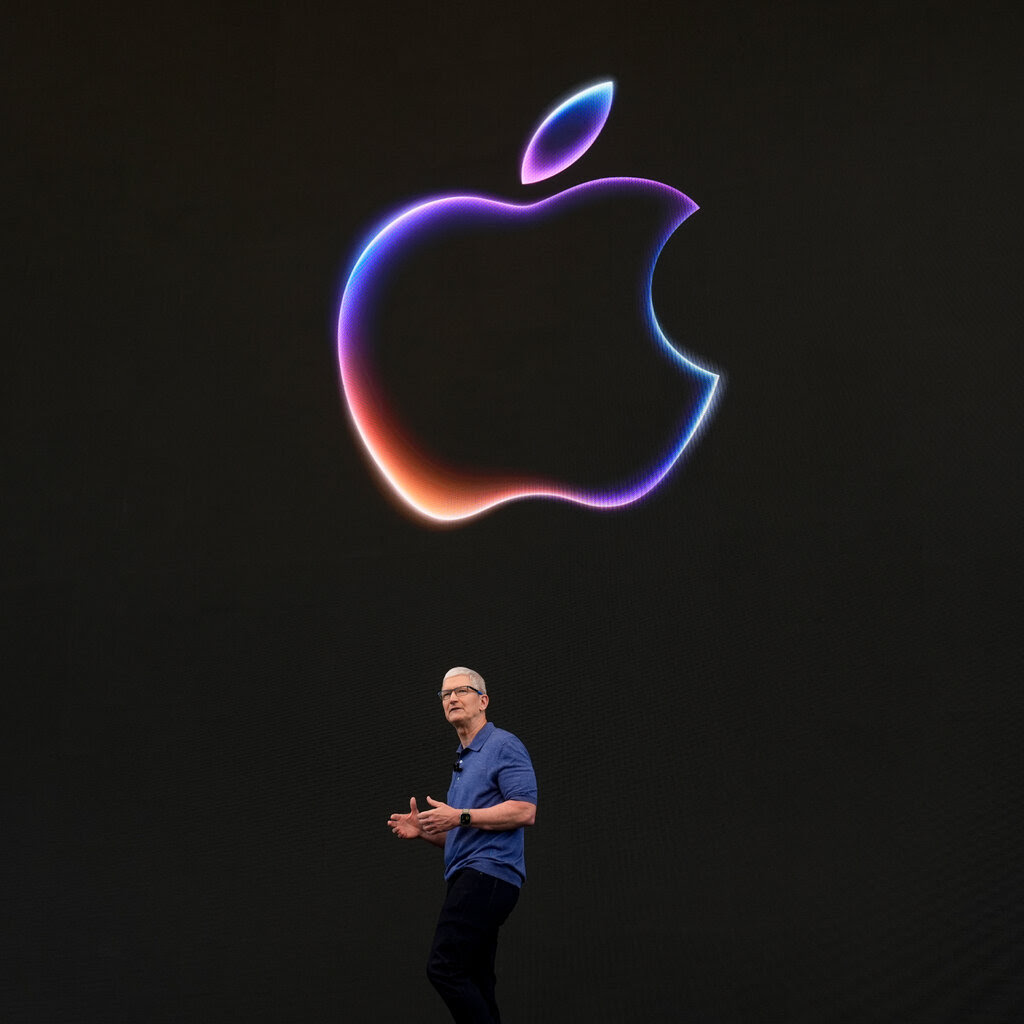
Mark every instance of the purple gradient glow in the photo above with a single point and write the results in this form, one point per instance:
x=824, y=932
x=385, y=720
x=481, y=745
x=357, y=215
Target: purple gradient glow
x=567, y=132
x=443, y=493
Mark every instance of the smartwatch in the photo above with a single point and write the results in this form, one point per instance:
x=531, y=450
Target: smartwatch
x=465, y=818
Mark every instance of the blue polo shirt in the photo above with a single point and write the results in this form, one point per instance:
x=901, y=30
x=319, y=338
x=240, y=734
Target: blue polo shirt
x=495, y=768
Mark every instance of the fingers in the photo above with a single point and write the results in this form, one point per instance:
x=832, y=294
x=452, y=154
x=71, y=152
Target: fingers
x=404, y=825
x=433, y=802
x=407, y=826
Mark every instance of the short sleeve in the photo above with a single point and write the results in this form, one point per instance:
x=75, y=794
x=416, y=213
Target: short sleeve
x=516, y=778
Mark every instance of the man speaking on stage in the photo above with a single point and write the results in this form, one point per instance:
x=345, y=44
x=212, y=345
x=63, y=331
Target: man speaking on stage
x=491, y=799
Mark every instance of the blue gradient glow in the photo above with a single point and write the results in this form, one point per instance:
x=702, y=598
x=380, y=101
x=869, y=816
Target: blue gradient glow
x=567, y=132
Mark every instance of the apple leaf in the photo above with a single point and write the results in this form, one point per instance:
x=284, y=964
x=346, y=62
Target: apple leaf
x=567, y=132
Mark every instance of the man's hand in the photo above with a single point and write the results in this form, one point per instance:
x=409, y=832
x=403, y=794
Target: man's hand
x=407, y=826
x=439, y=820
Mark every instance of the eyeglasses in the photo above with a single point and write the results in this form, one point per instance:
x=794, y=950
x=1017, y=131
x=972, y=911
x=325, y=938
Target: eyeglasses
x=460, y=691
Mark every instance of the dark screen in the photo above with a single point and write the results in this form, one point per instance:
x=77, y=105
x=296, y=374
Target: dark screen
x=774, y=707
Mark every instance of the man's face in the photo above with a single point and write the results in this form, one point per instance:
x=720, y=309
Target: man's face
x=462, y=707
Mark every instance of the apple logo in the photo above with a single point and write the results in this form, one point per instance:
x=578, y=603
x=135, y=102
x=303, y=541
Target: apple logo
x=393, y=308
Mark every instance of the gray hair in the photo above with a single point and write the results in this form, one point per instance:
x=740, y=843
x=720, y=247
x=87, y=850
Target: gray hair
x=475, y=679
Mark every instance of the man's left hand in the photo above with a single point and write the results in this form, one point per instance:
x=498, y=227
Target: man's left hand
x=441, y=818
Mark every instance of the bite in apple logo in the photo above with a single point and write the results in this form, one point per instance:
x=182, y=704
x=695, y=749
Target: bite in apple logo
x=437, y=487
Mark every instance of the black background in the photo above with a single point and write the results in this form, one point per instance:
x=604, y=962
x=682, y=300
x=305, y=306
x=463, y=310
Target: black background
x=775, y=709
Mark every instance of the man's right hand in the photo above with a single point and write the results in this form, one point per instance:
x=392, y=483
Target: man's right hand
x=406, y=826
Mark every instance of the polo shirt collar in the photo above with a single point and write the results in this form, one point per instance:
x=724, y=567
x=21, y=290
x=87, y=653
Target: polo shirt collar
x=479, y=739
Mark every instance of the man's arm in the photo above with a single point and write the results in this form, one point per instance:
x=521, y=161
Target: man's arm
x=407, y=826
x=503, y=817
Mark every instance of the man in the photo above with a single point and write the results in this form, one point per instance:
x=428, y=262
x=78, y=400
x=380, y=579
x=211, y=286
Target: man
x=491, y=799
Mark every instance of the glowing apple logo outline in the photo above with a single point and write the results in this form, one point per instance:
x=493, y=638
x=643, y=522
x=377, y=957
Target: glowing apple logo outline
x=441, y=493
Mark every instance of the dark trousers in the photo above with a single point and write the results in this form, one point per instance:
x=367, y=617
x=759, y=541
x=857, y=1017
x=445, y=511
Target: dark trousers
x=461, y=964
